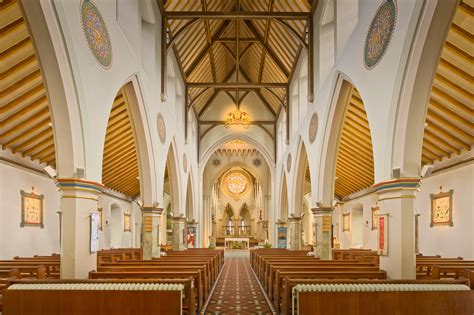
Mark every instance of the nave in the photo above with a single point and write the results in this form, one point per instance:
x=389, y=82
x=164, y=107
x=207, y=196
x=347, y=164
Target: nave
x=236, y=157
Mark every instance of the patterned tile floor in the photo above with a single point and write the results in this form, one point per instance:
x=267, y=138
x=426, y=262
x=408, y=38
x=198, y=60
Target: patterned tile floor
x=237, y=291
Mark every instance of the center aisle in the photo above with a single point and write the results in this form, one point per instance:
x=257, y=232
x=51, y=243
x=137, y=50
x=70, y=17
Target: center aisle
x=237, y=291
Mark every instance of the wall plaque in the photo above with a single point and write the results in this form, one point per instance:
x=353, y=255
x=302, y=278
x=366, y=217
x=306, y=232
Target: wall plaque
x=31, y=209
x=442, y=208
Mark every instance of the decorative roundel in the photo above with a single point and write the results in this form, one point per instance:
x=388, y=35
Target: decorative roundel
x=288, y=163
x=236, y=183
x=97, y=36
x=257, y=162
x=313, y=128
x=380, y=33
x=185, y=162
x=161, y=128
x=216, y=162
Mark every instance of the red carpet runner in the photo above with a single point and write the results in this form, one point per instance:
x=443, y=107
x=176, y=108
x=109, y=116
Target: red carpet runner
x=237, y=291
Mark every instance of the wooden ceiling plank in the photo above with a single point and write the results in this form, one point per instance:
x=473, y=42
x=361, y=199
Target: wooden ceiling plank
x=118, y=143
x=364, y=160
x=50, y=159
x=37, y=147
x=449, y=115
x=237, y=15
x=18, y=67
x=435, y=149
x=355, y=143
x=27, y=136
x=440, y=141
x=362, y=171
x=107, y=174
x=432, y=116
x=117, y=161
x=433, y=156
x=37, y=91
x=43, y=152
x=441, y=132
x=44, y=114
x=21, y=83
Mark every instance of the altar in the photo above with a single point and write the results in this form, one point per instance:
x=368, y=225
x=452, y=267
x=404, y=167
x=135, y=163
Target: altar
x=237, y=239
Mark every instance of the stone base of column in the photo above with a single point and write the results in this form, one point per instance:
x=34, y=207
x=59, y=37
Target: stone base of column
x=294, y=227
x=179, y=232
x=78, y=201
x=151, y=219
x=323, y=225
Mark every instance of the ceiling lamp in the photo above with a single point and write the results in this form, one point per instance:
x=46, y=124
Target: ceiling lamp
x=237, y=118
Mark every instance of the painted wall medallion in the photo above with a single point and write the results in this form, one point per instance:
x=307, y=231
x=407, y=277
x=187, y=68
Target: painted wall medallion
x=161, y=128
x=257, y=162
x=313, y=128
x=185, y=162
x=442, y=208
x=288, y=163
x=380, y=33
x=31, y=209
x=97, y=36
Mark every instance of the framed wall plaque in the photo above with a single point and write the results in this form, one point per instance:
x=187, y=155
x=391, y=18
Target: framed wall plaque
x=442, y=208
x=375, y=213
x=346, y=222
x=382, y=234
x=127, y=225
x=31, y=209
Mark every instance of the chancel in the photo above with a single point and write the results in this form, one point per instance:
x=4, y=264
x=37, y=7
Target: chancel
x=236, y=157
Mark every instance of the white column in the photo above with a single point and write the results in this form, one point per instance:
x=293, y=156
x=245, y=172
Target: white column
x=151, y=219
x=397, y=199
x=78, y=200
x=323, y=224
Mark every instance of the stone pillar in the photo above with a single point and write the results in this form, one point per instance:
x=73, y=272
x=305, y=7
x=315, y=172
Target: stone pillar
x=397, y=199
x=323, y=224
x=78, y=200
x=192, y=224
x=151, y=219
x=179, y=239
x=294, y=227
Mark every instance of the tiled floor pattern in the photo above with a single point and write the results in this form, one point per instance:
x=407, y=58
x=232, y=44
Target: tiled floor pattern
x=237, y=291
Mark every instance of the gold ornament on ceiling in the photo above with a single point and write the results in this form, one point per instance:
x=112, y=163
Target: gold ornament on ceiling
x=236, y=183
x=237, y=118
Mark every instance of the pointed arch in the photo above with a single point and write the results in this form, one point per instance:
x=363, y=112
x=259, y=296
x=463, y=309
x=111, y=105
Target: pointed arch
x=189, y=199
x=172, y=179
x=283, y=214
x=302, y=180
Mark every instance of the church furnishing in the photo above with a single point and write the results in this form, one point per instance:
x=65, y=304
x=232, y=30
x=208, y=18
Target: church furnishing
x=442, y=208
x=31, y=209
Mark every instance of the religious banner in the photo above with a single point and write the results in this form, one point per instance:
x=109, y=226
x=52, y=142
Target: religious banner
x=127, y=224
x=191, y=238
x=375, y=213
x=442, y=208
x=282, y=237
x=94, y=233
x=31, y=209
x=382, y=235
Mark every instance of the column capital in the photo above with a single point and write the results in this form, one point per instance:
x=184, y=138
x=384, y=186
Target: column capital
x=322, y=210
x=280, y=223
x=292, y=219
x=151, y=210
x=193, y=222
x=178, y=219
x=79, y=188
x=398, y=187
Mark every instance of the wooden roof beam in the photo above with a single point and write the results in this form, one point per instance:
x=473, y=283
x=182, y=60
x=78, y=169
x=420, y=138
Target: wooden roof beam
x=236, y=15
x=242, y=85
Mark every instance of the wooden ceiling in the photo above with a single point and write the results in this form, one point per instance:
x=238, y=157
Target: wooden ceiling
x=237, y=47
x=355, y=161
x=449, y=121
x=25, y=121
x=120, y=160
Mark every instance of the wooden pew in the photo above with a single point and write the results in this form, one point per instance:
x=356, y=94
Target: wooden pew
x=280, y=275
x=424, y=267
x=434, y=302
x=156, y=275
x=288, y=285
x=344, y=254
x=52, y=267
x=450, y=271
x=99, y=302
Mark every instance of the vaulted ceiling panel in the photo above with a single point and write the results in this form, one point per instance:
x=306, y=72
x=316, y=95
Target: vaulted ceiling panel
x=120, y=160
x=25, y=122
x=449, y=120
x=355, y=162
x=230, y=51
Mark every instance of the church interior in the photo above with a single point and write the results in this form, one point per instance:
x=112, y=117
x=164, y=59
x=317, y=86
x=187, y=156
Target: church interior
x=236, y=157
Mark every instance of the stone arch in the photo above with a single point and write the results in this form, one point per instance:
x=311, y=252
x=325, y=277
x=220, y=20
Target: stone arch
x=283, y=214
x=413, y=104
x=300, y=179
x=189, y=199
x=60, y=88
x=173, y=178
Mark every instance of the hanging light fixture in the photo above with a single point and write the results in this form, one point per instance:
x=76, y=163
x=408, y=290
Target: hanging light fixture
x=237, y=118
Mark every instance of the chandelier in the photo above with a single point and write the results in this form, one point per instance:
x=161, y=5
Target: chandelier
x=237, y=118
